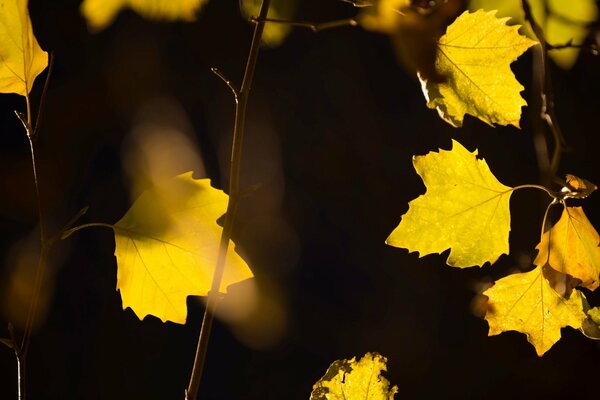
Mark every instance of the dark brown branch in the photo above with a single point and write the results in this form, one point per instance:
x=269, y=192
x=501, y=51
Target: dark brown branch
x=315, y=27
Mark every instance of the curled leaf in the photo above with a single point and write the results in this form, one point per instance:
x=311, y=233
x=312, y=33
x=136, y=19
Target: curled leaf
x=571, y=247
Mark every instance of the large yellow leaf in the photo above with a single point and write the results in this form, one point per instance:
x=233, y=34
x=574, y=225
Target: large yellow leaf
x=527, y=303
x=571, y=247
x=21, y=57
x=101, y=13
x=465, y=209
x=475, y=56
x=167, y=246
x=355, y=380
x=562, y=21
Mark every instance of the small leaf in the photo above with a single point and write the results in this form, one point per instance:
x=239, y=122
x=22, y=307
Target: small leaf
x=355, y=380
x=527, y=303
x=475, y=56
x=167, y=246
x=465, y=208
x=101, y=13
x=21, y=57
x=591, y=325
x=571, y=247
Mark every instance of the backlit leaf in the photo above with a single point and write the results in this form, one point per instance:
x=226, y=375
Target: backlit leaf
x=527, y=303
x=101, y=13
x=465, y=209
x=355, y=380
x=475, y=56
x=167, y=246
x=21, y=57
x=571, y=247
x=562, y=21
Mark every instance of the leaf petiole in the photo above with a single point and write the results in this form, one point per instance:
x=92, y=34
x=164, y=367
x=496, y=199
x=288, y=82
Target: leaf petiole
x=66, y=233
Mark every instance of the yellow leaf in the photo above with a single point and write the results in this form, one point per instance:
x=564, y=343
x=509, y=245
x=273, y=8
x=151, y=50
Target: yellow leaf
x=101, y=13
x=571, y=247
x=21, y=57
x=274, y=33
x=465, y=209
x=167, y=246
x=475, y=56
x=385, y=16
x=355, y=380
x=527, y=303
x=562, y=21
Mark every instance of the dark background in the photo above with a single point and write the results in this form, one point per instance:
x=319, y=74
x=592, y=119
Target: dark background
x=333, y=123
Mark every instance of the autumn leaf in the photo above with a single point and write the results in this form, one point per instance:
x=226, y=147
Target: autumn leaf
x=21, y=57
x=571, y=247
x=465, y=209
x=526, y=303
x=274, y=33
x=475, y=56
x=167, y=246
x=101, y=13
x=355, y=380
x=562, y=22
x=591, y=325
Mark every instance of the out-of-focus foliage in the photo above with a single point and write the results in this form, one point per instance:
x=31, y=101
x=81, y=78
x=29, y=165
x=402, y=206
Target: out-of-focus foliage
x=101, y=13
x=527, y=303
x=167, y=246
x=355, y=380
x=21, y=57
x=414, y=28
x=274, y=33
x=571, y=247
x=465, y=209
x=562, y=21
x=475, y=56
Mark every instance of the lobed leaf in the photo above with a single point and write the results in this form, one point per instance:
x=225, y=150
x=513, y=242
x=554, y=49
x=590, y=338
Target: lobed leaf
x=21, y=57
x=475, y=56
x=355, y=380
x=167, y=246
x=571, y=247
x=465, y=209
x=527, y=303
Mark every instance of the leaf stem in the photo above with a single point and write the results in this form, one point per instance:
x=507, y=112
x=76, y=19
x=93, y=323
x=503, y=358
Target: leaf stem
x=540, y=187
x=544, y=220
x=68, y=232
x=315, y=27
x=241, y=102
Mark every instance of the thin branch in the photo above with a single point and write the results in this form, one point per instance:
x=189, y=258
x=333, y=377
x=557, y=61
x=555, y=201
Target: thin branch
x=232, y=205
x=315, y=27
x=42, y=106
x=229, y=84
x=547, y=95
x=591, y=47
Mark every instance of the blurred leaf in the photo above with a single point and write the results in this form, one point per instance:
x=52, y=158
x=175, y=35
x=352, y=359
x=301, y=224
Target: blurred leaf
x=465, y=208
x=101, y=13
x=562, y=21
x=475, y=56
x=274, y=33
x=571, y=247
x=355, y=380
x=167, y=246
x=527, y=303
x=21, y=57
x=591, y=325
x=7, y=342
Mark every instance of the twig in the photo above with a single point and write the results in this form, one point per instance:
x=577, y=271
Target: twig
x=591, y=48
x=547, y=96
x=229, y=84
x=315, y=27
x=38, y=121
x=232, y=205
